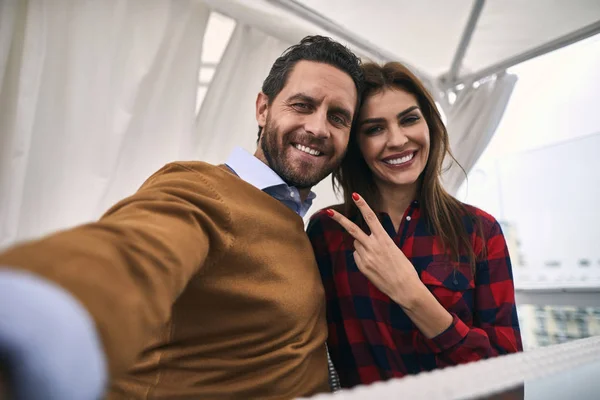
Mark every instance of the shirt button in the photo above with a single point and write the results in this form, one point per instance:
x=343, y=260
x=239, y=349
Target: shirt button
x=408, y=218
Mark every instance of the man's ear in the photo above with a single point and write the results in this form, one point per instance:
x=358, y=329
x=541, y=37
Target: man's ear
x=262, y=109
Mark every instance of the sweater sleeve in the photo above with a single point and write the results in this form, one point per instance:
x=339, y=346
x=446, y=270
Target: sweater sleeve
x=128, y=268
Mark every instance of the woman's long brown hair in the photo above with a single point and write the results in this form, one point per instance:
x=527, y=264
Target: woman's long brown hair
x=444, y=214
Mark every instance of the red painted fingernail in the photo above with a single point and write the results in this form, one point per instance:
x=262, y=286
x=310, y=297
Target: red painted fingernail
x=330, y=213
x=355, y=196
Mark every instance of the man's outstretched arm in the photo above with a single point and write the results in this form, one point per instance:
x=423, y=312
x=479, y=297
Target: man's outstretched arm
x=124, y=271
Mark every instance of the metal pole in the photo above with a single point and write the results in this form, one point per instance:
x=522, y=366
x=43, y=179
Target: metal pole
x=327, y=24
x=563, y=41
x=465, y=40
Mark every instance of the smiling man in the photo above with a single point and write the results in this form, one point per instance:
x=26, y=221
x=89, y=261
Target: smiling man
x=306, y=124
x=203, y=284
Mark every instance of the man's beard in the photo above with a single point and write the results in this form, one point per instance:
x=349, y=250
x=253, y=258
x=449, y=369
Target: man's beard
x=301, y=175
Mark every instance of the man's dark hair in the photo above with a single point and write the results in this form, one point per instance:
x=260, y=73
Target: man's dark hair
x=313, y=48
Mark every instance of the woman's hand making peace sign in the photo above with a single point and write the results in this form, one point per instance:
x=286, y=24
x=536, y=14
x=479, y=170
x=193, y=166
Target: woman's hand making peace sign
x=386, y=266
x=380, y=259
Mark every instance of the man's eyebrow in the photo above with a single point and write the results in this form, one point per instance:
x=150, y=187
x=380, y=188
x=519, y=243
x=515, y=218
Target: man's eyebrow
x=302, y=97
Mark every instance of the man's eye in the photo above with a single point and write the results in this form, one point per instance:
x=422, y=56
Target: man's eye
x=301, y=106
x=338, y=120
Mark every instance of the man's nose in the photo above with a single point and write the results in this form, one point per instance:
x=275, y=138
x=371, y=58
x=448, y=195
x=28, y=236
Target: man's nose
x=317, y=124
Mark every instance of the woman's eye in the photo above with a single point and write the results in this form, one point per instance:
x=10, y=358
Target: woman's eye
x=411, y=119
x=373, y=130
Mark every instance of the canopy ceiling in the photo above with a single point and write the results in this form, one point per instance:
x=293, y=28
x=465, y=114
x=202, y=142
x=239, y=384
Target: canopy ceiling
x=458, y=40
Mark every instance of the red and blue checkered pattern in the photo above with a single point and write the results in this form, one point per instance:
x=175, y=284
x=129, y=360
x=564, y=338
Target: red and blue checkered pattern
x=371, y=338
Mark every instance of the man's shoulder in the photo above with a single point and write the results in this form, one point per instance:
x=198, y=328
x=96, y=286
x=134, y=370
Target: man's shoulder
x=193, y=170
x=196, y=167
x=192, y=176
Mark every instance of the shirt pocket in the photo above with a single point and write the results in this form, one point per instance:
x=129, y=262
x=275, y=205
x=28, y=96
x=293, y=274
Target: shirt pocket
x=453, y=286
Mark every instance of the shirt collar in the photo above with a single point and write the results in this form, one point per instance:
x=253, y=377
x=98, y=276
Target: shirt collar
x=255, y=172
x=252, y=170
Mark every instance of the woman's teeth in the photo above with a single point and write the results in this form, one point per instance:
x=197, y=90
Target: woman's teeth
x=401, y=160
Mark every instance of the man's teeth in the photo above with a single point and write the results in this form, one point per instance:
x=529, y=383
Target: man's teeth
x=401, y=160
x=307, y=150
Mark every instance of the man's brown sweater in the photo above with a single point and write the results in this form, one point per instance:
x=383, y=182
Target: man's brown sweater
x=201, y=286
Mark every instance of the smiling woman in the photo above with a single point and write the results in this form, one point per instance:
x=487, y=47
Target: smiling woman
x=414, y=279
x=395, y=145
x=399, y=120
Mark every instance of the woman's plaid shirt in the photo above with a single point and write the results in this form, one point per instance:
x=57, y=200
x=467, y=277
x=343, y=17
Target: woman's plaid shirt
x=370, y=336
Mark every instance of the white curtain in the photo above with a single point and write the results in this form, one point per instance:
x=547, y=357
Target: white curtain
x=227, y=115
x=472, y=121
x=94, y=96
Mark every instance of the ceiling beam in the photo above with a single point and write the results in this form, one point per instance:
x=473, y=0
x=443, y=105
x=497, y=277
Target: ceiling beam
x=560, y=42
x=360, y=43
x=465, y=40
